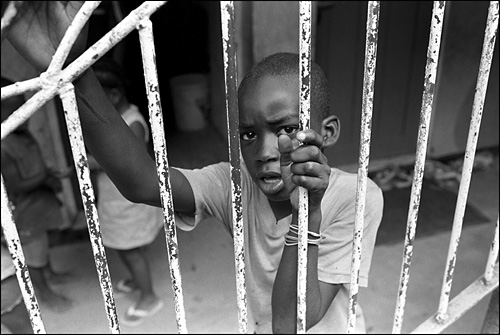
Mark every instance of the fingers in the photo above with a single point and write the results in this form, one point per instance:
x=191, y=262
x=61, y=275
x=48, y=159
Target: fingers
x=311, y=148
x=286, y=146
x=308, y=165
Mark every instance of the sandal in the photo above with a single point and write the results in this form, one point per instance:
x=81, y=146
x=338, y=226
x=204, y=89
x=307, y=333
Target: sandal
x=124, y=287
x=134, y=317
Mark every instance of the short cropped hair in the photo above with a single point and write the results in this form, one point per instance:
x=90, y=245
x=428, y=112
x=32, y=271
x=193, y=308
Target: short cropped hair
x=287, y=64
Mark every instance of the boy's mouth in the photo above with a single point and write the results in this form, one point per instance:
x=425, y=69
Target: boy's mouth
x=271, y=184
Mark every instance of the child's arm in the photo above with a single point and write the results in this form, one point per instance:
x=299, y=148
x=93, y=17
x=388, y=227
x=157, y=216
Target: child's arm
x=304, y=166
x=36, y=33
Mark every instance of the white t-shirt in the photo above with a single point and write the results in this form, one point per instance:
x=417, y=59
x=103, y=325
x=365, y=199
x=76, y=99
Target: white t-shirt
x=264, y=238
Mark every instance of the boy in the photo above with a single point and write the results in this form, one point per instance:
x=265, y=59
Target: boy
x=274, y=166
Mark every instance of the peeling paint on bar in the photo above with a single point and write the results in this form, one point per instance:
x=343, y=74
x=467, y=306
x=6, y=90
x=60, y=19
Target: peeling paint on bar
x=423, y=134
x=146, y=38
x=364, y=155
x=68, y=98
x=23, y=277
x=304, y=119
x=231, y=82
x=21, y=87
x=470, y=151
x=77, y=67
x=492, y=258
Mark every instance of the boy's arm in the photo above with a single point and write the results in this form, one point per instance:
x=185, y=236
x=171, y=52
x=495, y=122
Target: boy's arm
x=36, y=33
x=302, y=166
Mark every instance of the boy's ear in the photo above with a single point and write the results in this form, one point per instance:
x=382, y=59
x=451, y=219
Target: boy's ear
x=330, y=130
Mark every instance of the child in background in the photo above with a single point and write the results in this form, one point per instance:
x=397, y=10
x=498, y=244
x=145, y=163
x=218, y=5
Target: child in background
x=32, y=189
x=126, y=226
x=274, y=165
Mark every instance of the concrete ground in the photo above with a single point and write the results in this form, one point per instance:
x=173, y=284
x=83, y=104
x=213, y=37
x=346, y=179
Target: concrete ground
x=209, y=289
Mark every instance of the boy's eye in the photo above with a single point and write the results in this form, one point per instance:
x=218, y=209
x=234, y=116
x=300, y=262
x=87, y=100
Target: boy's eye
x=247, y=136
x=288, y=130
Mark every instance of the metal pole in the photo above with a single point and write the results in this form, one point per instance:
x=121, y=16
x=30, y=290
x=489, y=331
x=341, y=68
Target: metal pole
x=230, y=76
x=304, y=123
x=364, y=155
x=146, y=38
x=470, y=151
x=70, y=107
x=418, y=175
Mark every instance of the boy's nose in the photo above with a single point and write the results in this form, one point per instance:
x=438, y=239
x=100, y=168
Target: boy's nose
x=268, y=149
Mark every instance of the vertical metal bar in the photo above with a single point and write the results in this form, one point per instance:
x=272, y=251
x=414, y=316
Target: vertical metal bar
x=68, y=98
x=304, y=119
x=23, y=277
x=492, y=258
x=146, y=38
x=230, y=76
x=475, y=124
x=423, y=134
x=364, y=154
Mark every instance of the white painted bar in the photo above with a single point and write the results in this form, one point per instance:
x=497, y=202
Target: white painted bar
x=470, y=151
x=373, y=13
x=146, y=39
x=22, y=273
x=21, y=87
x=304, y=123
x=70, y=107
x=231, y=83
x=418, y=174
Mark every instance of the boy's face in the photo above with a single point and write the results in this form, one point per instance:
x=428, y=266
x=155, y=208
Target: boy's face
x=268, y=109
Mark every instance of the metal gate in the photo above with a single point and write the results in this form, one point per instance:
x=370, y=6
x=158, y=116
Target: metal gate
x=58, y=81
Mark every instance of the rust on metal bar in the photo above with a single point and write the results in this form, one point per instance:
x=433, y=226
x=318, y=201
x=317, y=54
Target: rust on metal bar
x=75, y=134
x=231, y=82
x=364, y=155
x=418, y=174
x=304, y=123
x=11, y=235
x=470, y=151
x=146, y=38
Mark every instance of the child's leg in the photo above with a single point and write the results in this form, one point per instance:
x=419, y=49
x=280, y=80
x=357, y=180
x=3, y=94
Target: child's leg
x=137, y=263
x=36, y=252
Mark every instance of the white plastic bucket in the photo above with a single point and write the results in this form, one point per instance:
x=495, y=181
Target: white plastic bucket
x=190, y=100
